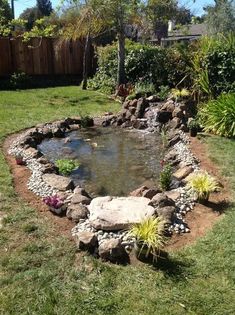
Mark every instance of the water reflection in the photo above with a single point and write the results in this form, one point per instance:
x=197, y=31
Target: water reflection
x=113, y=161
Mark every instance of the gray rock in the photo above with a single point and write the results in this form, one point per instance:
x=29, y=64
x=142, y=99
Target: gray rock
x=86, y=241
x=183, y=172
x=142, y=104
x=174, y=195
x=77, y=198
x=117, y=213
x=174, y=140
x=139, y=191
x=178, y=113
x=153, y=99
x=112, y=250
x=150, y=193
x=81, y=191
x=33, y=153
x=57, y=181
x=174, y=123
x=161, y=200
x=75, y=212
x=166, y=213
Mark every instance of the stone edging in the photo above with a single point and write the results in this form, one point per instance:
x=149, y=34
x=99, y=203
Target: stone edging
x=76, y=199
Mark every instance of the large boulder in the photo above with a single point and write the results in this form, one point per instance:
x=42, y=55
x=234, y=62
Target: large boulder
x=112, y=250
x=57, y=181
x=117, y=213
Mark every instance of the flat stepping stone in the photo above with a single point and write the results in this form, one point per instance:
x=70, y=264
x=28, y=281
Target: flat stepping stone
x=117, y=213
x=61, y=183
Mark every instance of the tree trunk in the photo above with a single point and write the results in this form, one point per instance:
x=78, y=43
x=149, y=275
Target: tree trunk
x=85, y=61
x=121, y=79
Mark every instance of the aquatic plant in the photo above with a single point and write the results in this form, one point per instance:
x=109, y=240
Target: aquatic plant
x=66, y=166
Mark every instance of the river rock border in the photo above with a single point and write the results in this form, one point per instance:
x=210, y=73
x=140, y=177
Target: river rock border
x=44, y=181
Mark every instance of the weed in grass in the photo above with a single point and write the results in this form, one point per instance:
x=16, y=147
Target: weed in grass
x=30, y=228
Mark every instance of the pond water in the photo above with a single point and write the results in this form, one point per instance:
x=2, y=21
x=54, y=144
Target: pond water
x=113, y=161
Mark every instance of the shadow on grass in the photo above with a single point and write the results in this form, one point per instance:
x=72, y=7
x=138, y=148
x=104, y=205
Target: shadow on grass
x=172, y=267
x=219, y=207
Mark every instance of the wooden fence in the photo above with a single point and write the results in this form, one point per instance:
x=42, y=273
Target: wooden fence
x=42, y=56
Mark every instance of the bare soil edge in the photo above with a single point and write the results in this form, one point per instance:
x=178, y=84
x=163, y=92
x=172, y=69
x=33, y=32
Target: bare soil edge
x=200, y=220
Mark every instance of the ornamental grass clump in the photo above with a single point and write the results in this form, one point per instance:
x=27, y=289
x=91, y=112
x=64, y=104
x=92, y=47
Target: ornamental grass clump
x=149, y=235
x=218, y=116
x=202, y=184
x=66, y=166
x=180, y=94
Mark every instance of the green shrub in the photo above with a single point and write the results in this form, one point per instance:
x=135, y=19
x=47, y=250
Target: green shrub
x=165, y=177
x=19, y=80
x=214, y=65
x=163, y=92
x=144, y=89
x=179, y=65
x=218, y=116
x=66, y=166
x=143, y=62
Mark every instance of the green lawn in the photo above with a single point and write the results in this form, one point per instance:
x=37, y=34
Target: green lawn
x=40, y=271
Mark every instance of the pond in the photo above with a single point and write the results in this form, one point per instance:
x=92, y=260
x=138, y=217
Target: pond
x=113, y=161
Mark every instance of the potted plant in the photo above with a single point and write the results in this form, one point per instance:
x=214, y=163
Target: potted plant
x=55, y=204
x=202, y=184
x=19, y=159
x=193, y=126
x=150, y=239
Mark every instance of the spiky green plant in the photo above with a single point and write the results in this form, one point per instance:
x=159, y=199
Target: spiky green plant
x=218, y=116
x=149, y=234
x=202, y=184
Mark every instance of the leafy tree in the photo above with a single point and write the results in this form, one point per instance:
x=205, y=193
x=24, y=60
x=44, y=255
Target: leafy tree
x=221, y=17
x=96, y=16
x=159, y=12
x=44, y=7
x=5, y=12
x=183, y=16
x=30, y=15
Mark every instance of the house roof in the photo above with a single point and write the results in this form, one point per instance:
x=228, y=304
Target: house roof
x=190, y=30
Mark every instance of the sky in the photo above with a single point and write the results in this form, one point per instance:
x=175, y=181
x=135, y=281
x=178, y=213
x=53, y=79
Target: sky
x=196, y=6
